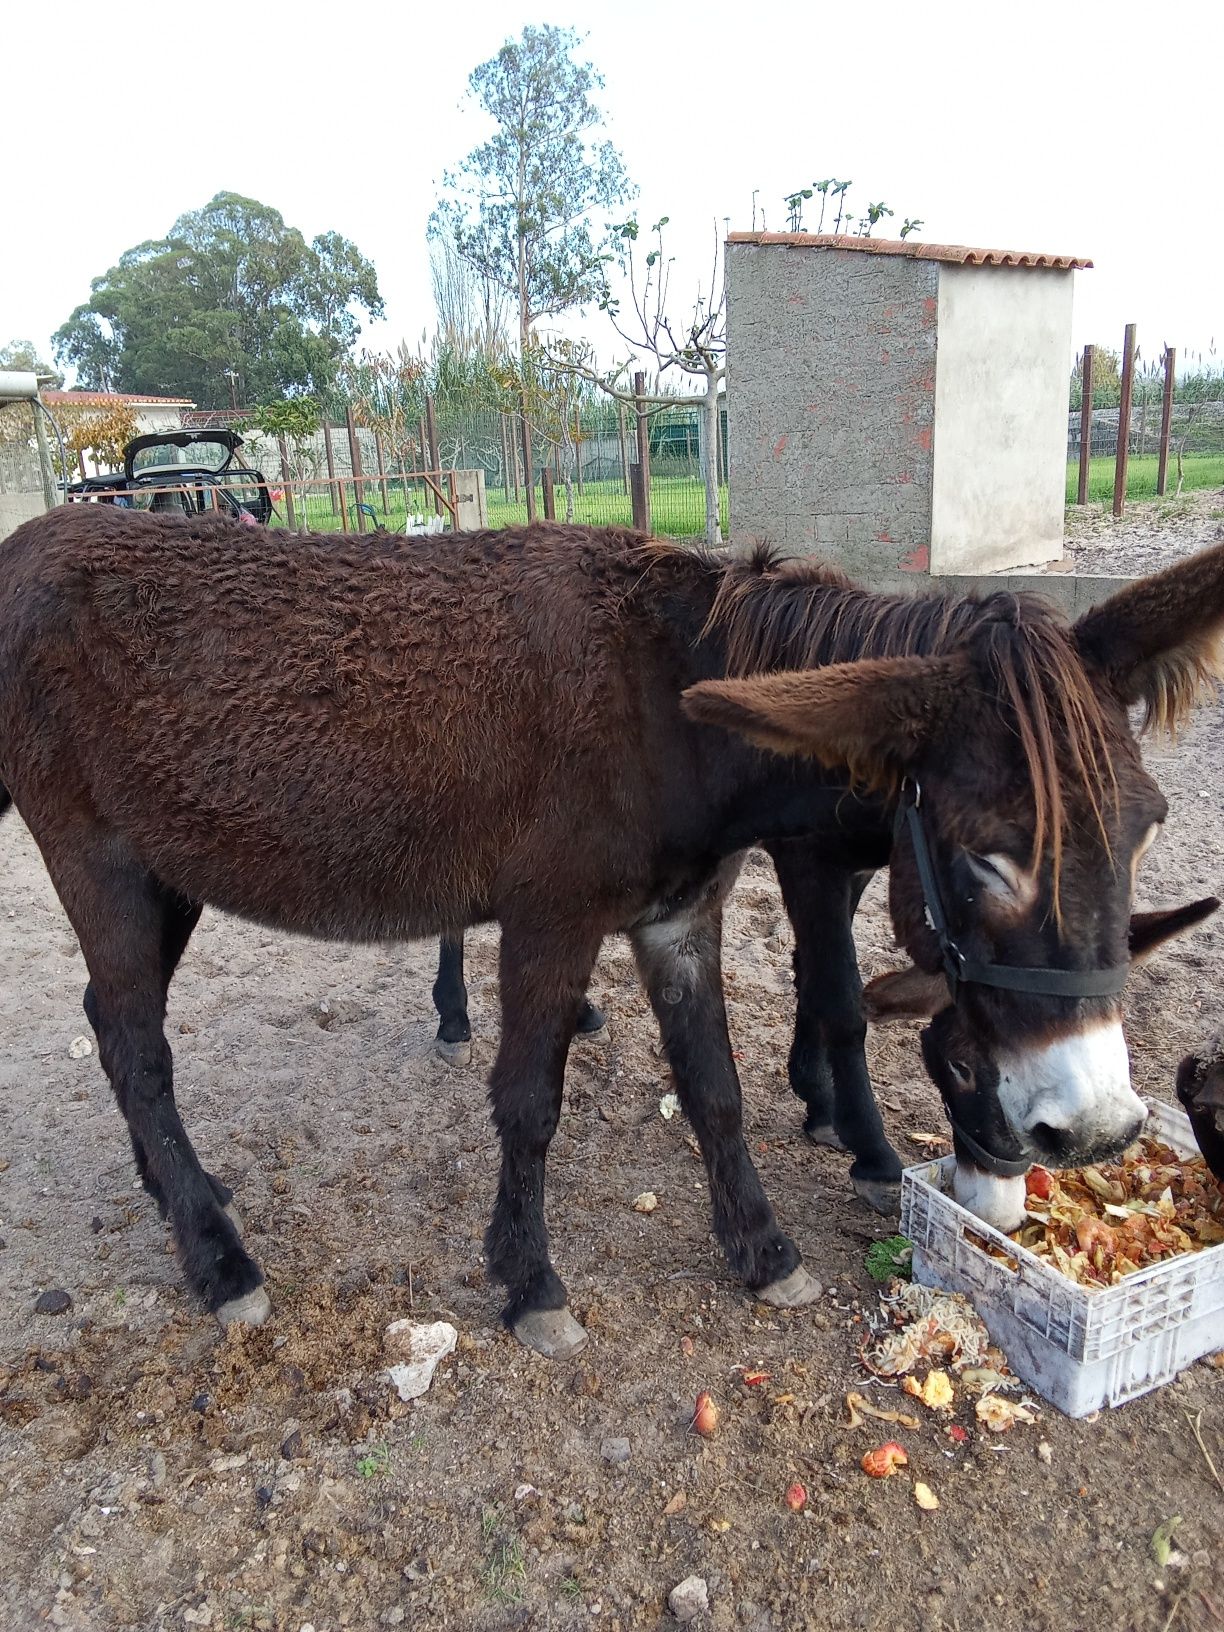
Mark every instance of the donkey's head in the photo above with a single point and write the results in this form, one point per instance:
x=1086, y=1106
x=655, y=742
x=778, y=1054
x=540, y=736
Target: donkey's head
x=1023, y=813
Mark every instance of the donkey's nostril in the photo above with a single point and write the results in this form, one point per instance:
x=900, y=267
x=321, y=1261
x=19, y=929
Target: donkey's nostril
x=1051, y=1141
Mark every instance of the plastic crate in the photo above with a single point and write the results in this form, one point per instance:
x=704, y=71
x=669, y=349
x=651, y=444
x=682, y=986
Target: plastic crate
x=1078, y=1349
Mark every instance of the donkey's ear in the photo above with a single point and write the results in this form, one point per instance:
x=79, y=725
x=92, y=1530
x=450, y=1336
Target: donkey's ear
x=904, y=994
x=1158, y=642
x=1149, y=930
x=874, y=717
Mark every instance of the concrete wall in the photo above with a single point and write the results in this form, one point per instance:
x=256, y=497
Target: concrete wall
x=831, y=402
x=1001, y=391
x=18, y=507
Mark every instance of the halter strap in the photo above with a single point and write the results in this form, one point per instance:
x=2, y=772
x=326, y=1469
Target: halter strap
x=961, y=970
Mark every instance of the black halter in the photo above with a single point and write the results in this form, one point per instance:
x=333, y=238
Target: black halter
x=961, y=970
x=1005, y=976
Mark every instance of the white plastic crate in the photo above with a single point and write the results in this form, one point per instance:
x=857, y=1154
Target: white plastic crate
x=1079, y=1349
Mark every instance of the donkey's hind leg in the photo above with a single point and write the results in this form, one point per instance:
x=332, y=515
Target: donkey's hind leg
x=680, y=960
x=828, y=1062
x=543, y=977
x=132, y=932
x=454, y=1040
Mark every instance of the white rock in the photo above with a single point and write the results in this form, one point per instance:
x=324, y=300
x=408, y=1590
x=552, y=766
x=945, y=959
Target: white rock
x=79, y=1047
x=690, y=1599
x=421, y=1348
x=646, y=1202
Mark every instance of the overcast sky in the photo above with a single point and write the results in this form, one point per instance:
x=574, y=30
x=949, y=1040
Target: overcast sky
x=1076, y=127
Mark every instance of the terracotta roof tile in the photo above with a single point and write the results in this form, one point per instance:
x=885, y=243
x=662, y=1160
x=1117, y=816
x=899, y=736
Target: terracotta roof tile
x=954, y=254
x=115, y=396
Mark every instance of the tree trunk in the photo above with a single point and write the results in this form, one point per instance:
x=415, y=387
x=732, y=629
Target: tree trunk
x=709, y=460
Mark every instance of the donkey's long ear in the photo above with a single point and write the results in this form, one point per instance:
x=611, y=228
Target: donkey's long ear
x=874, y=717
x=1149, y=930
x=1158, y=642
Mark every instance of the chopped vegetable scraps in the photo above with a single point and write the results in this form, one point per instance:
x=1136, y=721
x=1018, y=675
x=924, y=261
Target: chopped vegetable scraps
x=919, y=1324
x=1101, y=1223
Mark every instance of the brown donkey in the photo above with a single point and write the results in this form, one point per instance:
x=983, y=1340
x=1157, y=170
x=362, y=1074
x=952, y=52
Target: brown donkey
x=397, y=738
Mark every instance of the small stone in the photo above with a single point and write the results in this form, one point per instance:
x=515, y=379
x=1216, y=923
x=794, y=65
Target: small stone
x=201, y=1403
x=292, y=1446
x=615, y=1450
x=263, y=1495
x=690, y=1599
x=1044, y=1453
x=97, y=1224
x=647, y=1202
x=157, y=1470
x=79, y=1048
x=392, y=1616
x=55, y=1302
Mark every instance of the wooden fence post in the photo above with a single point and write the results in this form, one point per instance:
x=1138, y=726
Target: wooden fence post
x=641, y=510
x=550, y=494
x=1166, y=420
x=1124, y=414
x=355, y=458
x=1085, y=424
x=284, y=464
x=331, y=464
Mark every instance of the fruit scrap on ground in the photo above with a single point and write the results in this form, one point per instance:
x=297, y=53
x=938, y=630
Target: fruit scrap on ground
x=925, y=1497
x=935, y=1392
x=884, y=1460
x=859, y=1407
x=705, y=1416
x=1101, y=1223
x=999, y=1414
x=796, y=1497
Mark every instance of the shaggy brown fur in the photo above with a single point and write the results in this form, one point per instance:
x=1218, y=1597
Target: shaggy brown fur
x=391, y=737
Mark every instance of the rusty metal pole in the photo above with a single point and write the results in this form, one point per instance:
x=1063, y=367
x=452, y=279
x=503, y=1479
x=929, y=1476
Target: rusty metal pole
x=642, y=520
x=435, y=458
x=355, y=460
x=623, y=440
x=1166, y=420
x=331, y=464
x=1085, y=425
x=1124, y=414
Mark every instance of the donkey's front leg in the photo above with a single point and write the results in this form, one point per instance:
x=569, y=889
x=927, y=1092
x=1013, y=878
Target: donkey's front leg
x=543, y=979
x=681, y=966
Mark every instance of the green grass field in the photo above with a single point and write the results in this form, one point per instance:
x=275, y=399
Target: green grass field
x=1198, y=469
x=677, y=506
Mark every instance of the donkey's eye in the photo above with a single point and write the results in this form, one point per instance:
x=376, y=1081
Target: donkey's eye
x=998, y=875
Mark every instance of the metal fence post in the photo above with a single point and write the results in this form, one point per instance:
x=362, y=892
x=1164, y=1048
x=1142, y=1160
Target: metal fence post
x=331, y=464
x=1166, y=420
x=1085, y=424
x=435, y=458
x=641, y=507
x=355, y=459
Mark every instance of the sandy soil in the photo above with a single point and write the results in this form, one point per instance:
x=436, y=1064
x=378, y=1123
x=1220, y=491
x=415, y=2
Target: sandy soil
x=157, y=1474
x=1149, y=535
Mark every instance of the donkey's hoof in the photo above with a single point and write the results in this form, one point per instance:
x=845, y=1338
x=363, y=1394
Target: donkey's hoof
x=599, y=1035
x=882, y=1194
x=554, y=1333
x=793, y=1291
x=453, y=1053
x=251, y=1309
x=825, y=1134
x=235, y=1217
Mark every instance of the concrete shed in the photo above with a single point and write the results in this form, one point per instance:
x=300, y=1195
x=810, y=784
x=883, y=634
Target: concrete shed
x=898, y=407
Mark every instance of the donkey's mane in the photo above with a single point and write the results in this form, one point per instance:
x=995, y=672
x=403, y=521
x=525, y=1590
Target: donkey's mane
x=775, y=613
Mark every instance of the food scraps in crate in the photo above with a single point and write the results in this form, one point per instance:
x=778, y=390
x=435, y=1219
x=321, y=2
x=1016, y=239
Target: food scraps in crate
x=1098, y=1224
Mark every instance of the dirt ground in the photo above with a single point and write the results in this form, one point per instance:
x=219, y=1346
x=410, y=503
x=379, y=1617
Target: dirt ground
x=158, y=1474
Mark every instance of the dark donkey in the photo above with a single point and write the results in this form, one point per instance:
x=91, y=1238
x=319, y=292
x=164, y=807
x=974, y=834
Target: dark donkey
x=389, y=739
